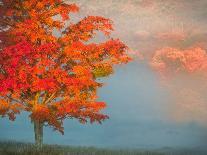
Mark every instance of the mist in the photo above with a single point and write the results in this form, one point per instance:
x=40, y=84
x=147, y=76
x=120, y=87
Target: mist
x=145, y=110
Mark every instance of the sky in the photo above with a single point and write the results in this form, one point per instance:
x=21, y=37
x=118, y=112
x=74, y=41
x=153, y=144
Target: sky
x=149, y=24
x=145, y=110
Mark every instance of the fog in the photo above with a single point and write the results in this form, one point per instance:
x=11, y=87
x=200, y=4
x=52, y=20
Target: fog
x=145, y=110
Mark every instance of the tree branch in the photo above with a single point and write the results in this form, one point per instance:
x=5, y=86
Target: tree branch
x=50, y=98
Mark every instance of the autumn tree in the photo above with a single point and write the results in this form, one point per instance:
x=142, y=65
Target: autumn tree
x=183, y=74
x=170, y=60
x=53, y=77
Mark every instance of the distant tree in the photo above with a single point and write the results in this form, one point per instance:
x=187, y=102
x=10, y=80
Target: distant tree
x=183, y=75
x=170, y=61
x=53, y=77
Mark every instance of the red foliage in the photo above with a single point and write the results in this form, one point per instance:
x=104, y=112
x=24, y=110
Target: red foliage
x=172, y=60
x=52, y=77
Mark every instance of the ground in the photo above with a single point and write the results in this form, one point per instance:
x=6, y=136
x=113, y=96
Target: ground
x=18, y=148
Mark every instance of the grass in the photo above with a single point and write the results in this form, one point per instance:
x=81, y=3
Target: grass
x=17, y=148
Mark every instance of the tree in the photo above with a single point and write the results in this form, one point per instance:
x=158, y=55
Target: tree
x=172, y=60
x=183, y=74
x=53, y=77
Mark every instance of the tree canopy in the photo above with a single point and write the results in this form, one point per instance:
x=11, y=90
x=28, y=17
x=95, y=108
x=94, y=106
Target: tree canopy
x=54, y=77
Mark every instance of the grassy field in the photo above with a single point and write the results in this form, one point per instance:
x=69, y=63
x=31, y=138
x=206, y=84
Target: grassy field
x=16, y=148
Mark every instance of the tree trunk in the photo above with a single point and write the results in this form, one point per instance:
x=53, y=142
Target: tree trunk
x=38, y=129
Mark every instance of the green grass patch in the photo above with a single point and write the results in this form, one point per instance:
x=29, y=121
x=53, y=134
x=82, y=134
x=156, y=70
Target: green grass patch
x=17, y=148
